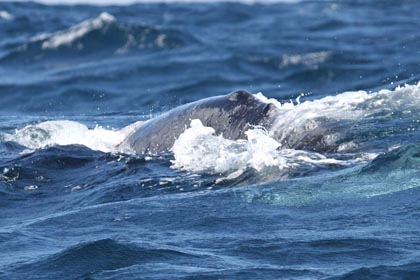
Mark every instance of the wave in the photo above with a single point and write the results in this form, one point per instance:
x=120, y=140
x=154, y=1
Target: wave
x=102, y=35
x=100, y=255
x=401, y=271
x=406, y=157
x=68, y=37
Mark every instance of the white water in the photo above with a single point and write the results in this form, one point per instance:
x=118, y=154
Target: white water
x=53, y=133
x=67, y=37
x=5, y=15
x=198, y=149
x=327, y=117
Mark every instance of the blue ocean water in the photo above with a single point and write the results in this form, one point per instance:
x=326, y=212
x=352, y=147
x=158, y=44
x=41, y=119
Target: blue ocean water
x=339, y=200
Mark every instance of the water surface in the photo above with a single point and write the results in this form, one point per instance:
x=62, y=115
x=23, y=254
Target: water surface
x=337, y=200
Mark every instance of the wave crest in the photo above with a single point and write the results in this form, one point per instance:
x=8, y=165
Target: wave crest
x=102, y=35
x=68, y=37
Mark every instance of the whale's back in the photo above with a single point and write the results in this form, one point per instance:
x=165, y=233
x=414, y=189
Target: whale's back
x=230, y=115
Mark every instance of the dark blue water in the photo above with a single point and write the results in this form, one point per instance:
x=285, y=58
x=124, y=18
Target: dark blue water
x=340, y=202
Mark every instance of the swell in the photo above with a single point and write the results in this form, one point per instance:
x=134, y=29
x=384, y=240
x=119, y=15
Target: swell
x=404, y=271
x=92, y=257
x=84, y=177
x=96, y=38
x=36, y=174
x=405, y=157
x=353, y=250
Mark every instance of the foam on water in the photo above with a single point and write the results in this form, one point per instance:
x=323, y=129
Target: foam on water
x=52, y=133
x=199, y=150
x=5, y=15
x=313, y=58
x=329, y=119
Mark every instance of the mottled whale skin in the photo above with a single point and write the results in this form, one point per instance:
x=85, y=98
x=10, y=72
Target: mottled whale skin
x=229, y=115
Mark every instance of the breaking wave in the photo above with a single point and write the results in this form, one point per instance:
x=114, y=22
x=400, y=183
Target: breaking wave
x=102, y=35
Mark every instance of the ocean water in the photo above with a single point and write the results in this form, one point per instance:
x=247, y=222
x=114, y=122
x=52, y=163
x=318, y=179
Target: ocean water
x=336, y=196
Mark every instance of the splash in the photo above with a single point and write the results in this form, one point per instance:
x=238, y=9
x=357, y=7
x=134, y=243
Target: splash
x=199, y=150
x=341, y=123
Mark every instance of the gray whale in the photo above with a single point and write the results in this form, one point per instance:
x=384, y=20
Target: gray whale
x=229, y=115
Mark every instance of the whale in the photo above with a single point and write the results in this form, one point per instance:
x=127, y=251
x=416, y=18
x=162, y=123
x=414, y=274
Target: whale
x=229, y=115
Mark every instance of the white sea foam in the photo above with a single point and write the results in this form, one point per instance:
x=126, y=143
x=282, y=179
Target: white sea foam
x=308, y=59
x=297, y=121
x=52, y=133
x=67, y=37
x=6, y=15
x=284, y=106
x=199, y=150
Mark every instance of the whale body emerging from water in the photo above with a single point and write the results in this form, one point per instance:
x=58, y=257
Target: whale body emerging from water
x=229, y=115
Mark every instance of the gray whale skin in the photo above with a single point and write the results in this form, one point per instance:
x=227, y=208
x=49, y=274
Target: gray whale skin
x=229, y=115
